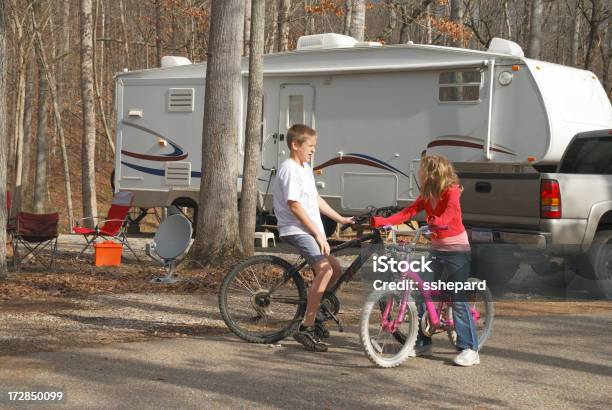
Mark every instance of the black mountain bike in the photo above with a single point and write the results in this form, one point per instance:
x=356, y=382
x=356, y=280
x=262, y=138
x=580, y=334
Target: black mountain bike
x=263, y=299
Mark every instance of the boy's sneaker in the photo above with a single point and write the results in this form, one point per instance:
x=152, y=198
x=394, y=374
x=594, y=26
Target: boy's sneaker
x=321, y=330
x=467, y=357
x=423, y=350
x=306, y=337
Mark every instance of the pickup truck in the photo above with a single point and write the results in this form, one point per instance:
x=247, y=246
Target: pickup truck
x=545, y=216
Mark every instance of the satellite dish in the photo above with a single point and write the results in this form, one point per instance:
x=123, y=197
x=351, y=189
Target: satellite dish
x=173, y=237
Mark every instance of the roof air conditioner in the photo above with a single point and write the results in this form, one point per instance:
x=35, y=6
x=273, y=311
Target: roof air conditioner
x=501, y=46
x=323, y=41
x=173, y=61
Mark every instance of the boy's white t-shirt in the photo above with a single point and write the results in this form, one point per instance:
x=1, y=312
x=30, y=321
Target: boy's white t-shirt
x=295, y=183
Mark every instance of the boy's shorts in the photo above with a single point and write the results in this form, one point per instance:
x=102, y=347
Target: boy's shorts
x=307, y=245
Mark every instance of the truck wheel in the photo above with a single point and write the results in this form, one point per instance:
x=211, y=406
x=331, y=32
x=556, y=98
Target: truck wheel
x=600, y=258
x=547, y=268
x=492, y=266
x=329, y=225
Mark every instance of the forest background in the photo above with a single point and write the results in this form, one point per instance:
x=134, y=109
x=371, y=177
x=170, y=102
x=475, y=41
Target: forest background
x=60, y=123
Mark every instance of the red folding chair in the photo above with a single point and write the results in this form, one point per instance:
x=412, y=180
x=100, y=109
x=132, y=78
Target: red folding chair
x=35, y=232
x=113, y=227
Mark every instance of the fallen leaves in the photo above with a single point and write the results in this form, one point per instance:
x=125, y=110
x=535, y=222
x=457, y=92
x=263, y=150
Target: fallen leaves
x=79, y=278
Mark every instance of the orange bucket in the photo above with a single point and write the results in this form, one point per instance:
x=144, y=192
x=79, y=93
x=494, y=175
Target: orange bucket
x=107, y=253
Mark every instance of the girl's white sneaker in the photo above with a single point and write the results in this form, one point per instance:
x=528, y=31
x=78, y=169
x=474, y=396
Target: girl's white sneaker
x=467, y=357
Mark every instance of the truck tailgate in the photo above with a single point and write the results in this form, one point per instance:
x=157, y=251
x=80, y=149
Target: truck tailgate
x=501, y=199
x=579, y=192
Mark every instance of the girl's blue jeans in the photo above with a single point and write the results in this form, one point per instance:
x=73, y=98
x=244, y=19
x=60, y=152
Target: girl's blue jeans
x=455, y=267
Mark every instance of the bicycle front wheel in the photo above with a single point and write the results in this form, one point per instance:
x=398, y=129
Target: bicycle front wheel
x=261, y=300
x=387, y=348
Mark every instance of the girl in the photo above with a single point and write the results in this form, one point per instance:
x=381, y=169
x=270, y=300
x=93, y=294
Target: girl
x=440, y=192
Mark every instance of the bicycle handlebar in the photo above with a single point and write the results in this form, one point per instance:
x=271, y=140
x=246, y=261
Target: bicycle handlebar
x=366, y=218
x=356, y=220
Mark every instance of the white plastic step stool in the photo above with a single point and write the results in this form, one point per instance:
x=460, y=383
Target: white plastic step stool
x=264, y=238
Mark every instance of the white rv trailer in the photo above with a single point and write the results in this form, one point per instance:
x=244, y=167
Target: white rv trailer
x=375, y=108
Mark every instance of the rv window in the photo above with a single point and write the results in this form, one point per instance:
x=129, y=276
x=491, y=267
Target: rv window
x=461, y=93
x=460, y=77
x=296, y=110
x=589, y=156
x=455, y=86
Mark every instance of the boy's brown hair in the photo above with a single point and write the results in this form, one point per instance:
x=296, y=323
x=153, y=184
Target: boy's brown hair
x=299, y=133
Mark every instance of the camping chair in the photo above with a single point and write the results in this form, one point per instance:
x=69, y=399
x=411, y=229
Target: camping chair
x=35, y=232
x=113, y=227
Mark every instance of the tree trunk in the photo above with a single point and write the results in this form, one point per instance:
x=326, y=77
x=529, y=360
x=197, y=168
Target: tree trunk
x=88, y=173
x=309, y=25
x=348, y=15
x=358, y=20
x=3, y=145
x=16, y=144
x=173, y=29
x=535, y=32
x=606, y=54
x=252, y=149
x=577, y=17
x=98, y=74
x=40, y=182
x=387, y=35
x=593, y=29
x=192, y=35
x=27, y=135
x=507, y=21
x=525, y=26
x=19, y=111
x=283, y=25
x=64, y=48
x=428, y=33
x=456, y=16
x=404, y=35
x=217, y=241
x=158, y=34
x=40, y=53
x=247, y=28
x=100, y=61
x=126, y=44
x=271, y=32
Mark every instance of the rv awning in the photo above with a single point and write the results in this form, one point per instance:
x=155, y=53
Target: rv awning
x=369, y=69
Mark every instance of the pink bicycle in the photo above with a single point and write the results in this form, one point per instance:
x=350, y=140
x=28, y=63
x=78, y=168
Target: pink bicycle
x=390, y=321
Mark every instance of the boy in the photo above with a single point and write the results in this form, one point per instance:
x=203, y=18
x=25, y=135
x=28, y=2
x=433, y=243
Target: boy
x=298, y=209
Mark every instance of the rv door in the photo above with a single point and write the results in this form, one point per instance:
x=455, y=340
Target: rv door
x=296, y=102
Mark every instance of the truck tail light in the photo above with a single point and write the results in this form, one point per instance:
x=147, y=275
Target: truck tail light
x=550, y=199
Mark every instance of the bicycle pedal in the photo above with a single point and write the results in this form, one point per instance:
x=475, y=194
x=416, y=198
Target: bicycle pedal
x=335, y=319
x=331, y=315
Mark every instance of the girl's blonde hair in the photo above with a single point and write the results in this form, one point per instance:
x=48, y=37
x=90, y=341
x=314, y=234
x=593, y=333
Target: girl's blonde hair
x=438, y=175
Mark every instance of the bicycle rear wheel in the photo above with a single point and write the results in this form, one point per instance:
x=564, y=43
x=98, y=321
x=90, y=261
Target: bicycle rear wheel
x=385, y=348
x=251, y=310
x=480, y=301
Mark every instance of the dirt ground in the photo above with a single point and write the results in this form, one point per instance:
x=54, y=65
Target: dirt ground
x=79, y=304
